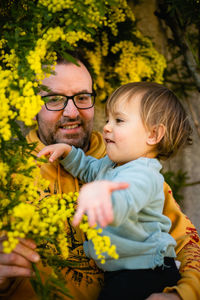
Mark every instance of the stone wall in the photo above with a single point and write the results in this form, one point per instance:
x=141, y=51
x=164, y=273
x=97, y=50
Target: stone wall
x=187, y=160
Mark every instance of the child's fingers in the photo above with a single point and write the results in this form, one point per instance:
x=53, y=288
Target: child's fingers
x=100, y=216
x=118, y=186
x=101, y=219
x=45, y=151
x=77, y=217
x=107, y=212
x=92, y=217
x=54, y=155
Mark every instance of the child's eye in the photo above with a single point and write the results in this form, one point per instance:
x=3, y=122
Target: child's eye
x=119, y=120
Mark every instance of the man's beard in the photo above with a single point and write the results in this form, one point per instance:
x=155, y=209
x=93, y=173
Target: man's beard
x=81, y=141
x=53, y=136
x=71, y=139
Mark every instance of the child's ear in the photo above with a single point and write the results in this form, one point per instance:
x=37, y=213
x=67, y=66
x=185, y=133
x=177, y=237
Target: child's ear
x=156, y=134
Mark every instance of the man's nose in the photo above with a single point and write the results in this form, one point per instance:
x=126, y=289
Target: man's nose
x=70, y=111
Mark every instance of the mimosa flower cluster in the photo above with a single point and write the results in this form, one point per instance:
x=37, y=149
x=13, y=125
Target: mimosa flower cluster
x=102, y=244
x=44, y=220
x=128, y=62
x=36, y=56
x=40, y=220
x=92, y=25
x=19, y=102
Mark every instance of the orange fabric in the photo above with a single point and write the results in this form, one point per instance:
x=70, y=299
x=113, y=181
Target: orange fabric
x=85, y=281
x=187, y=249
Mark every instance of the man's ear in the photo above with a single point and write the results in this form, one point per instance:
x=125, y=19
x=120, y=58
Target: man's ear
x=156, y=134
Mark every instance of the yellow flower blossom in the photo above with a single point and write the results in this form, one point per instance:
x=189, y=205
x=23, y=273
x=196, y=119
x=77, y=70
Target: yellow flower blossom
x=134, y=67
x=105, y=44
x=4, y=168
x=55, y=5
x=101, y=243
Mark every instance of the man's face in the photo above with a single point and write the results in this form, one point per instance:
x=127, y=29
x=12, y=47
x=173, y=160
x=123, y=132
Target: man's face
x=70, y=125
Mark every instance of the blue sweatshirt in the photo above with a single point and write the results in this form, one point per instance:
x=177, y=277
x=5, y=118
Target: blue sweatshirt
x=139, y=230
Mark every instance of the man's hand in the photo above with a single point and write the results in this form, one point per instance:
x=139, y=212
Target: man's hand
x=164, y=296
x=17, y=263
x=95, y=200
x=55, y=151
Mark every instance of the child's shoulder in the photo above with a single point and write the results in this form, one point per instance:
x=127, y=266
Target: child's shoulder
x=146, y=168
x=147, y=163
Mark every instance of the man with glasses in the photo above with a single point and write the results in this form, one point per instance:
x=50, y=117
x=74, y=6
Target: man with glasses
x=59, y=102
x=68, y=113
x=67, y=117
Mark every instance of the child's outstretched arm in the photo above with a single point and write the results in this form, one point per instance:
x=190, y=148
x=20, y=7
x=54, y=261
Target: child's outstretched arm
x=55, y=151
x=95, y=200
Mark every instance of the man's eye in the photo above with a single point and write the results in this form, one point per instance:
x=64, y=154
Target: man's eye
x=53, y=99
x=56, y=98
x=83, y=97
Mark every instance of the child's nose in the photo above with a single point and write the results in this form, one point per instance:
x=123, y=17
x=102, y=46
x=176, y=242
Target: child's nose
x=107, y=127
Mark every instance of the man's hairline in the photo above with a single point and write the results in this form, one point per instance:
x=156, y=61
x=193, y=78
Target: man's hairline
x=66, y=62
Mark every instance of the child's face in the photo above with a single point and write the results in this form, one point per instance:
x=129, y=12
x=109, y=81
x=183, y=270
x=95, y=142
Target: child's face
x=124, y=134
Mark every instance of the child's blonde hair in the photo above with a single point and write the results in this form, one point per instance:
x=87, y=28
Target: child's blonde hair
x=158, y=105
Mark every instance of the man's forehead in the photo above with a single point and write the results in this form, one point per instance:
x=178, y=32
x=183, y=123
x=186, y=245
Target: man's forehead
x=69, y=70
x=68, y=78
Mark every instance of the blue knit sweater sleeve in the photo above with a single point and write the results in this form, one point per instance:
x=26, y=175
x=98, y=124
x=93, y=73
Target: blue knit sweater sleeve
x=145, y=183
x=84, y=167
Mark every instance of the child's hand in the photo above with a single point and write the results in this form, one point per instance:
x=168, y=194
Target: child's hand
x=55, y=151
x=95, y=200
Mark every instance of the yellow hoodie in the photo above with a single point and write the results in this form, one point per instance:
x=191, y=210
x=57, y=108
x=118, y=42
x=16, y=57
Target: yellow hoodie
x=85, y=280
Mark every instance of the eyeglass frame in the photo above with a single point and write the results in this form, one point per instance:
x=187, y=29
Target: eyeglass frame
x=70, y=98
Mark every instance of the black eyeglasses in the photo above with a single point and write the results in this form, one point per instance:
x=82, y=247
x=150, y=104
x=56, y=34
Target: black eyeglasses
x=59, y=102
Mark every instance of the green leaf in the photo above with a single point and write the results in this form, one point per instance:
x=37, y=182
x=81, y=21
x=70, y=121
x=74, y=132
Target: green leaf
x=70, y=58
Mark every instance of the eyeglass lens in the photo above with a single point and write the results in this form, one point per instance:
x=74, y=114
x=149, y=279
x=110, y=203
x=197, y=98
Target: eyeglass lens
x=58, y=102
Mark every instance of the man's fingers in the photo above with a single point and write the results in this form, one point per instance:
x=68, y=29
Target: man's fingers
x=14, y=259
x=164, y=296
x=14, y=271
x=28, y=242
x=18, y=262
x=25, y=242
x=27, y=253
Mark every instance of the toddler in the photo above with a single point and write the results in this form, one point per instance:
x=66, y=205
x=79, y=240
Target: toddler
x=145, y=123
